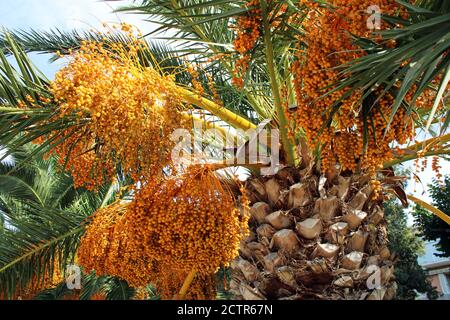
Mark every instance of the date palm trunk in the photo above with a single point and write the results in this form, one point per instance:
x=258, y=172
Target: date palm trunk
x=313, y=238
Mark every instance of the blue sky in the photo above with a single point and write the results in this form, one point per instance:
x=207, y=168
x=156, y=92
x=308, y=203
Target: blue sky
x=76, y=14
x=63, y=14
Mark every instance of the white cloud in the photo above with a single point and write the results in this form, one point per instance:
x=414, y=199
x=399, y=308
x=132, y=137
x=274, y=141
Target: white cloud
x=65, y=14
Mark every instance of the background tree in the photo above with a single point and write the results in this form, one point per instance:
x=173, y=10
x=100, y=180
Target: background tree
x=431, y=227
x=407, y=245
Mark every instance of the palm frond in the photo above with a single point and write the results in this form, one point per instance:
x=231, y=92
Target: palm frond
x=44, y=220
x=430, y=208
x=204, y=23
x=420, y=56
x=56, y=293
x=118, y=289
x=203, y=30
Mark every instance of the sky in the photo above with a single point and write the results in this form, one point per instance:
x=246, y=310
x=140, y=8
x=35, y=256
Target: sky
x=91, y=14
x=65, y=15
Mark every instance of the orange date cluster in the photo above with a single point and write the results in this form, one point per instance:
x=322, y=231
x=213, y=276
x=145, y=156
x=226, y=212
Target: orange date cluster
x=124, y=113
x=187, y=222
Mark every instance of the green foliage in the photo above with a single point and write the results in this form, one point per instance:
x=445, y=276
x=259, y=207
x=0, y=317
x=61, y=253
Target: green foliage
x=423, y=41
x=16, y=85
x=159, y=54
x=203, y=29
x=198, y=30
x=110, y=288
x=408, y=246
x=45, y=216
x=431, y=227
x=223, y=277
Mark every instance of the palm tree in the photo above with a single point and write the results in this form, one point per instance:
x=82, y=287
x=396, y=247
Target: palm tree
x=317, y=227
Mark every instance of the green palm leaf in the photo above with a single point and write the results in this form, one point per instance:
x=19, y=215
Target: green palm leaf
x=421, y=54
x=44, y=220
